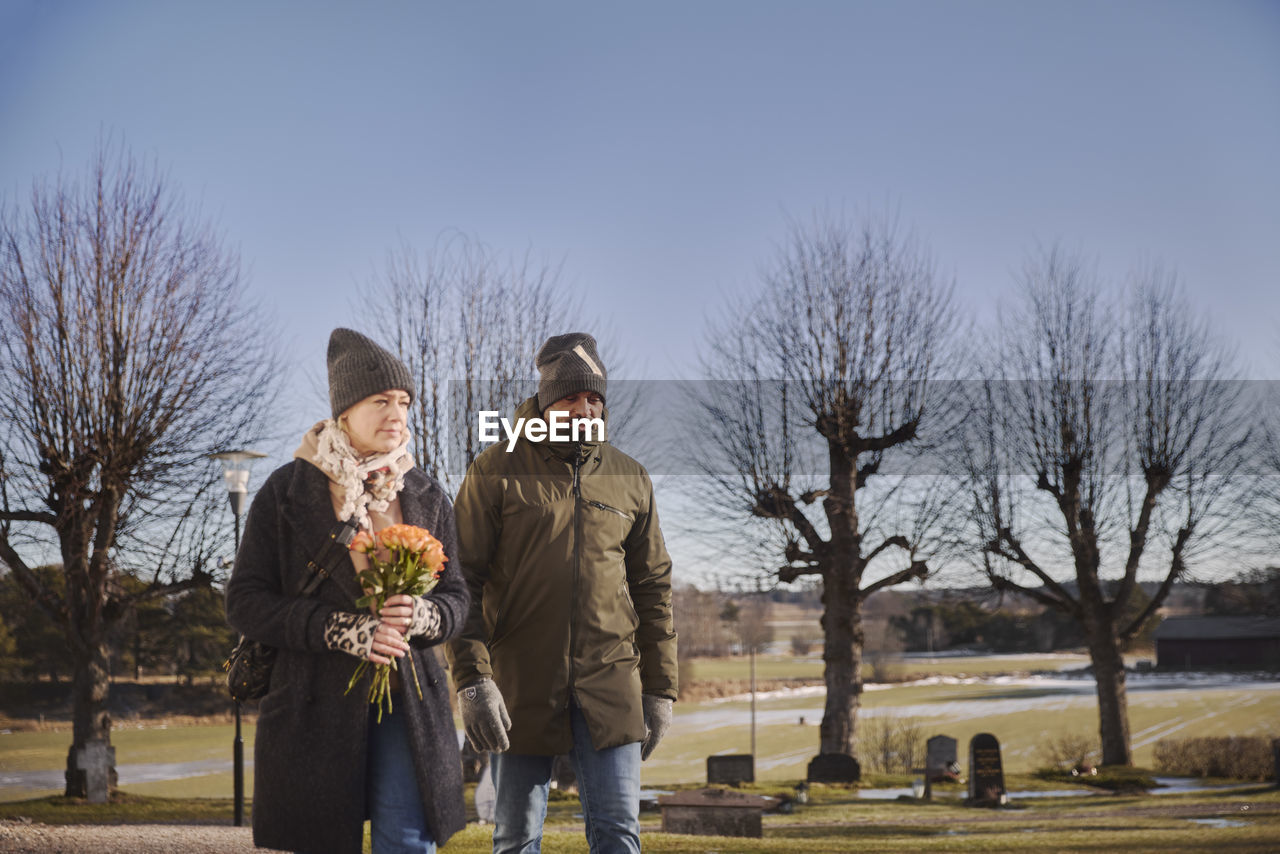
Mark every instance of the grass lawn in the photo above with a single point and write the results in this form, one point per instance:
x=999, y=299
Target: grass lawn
x=47, y=751
x=1023, y=716
x=1242, y=822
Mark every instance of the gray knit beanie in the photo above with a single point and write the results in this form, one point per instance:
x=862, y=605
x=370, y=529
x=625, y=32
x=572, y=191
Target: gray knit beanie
x=569, y=363
x=358, y=368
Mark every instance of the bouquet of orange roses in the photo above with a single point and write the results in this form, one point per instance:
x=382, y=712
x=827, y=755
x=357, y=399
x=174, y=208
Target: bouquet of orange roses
x=402, y=559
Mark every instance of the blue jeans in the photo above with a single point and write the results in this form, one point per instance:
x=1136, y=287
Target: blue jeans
x=395, y=806
x=608, y=786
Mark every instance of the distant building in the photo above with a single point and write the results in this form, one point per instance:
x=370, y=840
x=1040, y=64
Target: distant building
x=1218, y=643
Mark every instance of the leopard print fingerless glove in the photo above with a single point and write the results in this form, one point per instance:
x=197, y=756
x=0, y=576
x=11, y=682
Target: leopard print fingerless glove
x=426, y=620
x=350, y=633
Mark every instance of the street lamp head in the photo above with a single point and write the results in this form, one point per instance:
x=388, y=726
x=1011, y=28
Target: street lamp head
x=235, y=472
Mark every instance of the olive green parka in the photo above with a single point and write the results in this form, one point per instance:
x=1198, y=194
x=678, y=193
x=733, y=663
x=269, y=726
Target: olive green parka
x=570, y=589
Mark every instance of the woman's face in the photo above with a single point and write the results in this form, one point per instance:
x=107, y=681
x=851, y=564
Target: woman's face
x=378, y=423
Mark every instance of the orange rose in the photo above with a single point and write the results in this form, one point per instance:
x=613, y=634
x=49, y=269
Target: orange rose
x=405, y=537
x=362, y=542
x=433, y=556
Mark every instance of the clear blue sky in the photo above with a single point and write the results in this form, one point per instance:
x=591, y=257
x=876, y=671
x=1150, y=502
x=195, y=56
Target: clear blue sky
x=658, y=148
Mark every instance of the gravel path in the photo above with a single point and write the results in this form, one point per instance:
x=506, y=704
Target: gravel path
x=18, y=837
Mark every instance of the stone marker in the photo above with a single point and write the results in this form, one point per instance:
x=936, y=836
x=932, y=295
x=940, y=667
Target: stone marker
x=95, y=761
x=834, y=768
x=986, y=773
x=474, y=762
x=940, y=757
x=732, y=769
x=714, y=812
x=486, y=796
x=562, y=774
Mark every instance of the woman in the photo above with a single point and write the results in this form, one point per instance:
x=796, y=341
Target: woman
x=322, y=762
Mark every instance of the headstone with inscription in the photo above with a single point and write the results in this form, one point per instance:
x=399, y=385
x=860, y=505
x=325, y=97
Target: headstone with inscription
x=731, y=769
x=940, y=758
x=986, y=773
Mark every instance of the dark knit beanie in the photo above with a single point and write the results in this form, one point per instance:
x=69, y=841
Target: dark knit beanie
x=569, y=363
x=358, y=368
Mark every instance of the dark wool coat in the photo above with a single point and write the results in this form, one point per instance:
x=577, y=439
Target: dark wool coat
x=309, y=780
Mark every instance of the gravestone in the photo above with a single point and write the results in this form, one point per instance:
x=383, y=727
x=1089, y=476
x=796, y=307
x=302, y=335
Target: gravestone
x=474, y=762
x=562, y=774
x=834, y=768
x=986, y=773
x=94, y=764
x=940, y=758
x=714, y=812
x=732, y=769
x=486, y=796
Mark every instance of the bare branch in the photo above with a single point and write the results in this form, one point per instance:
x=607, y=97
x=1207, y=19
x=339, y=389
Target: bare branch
x=467, y=322
x=896, y=540
x=918, y=571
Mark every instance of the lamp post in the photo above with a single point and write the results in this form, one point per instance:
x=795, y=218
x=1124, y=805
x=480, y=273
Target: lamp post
x=235, y=471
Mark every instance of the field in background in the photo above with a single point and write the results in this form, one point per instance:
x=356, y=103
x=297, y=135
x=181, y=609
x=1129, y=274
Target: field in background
x=1022, y=714
x=908, y=667
x=964, y=696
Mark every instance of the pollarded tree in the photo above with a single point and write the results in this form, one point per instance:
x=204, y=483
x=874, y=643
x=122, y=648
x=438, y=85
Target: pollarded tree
x=127, y=353
x=816, y=390
x=1108, y=442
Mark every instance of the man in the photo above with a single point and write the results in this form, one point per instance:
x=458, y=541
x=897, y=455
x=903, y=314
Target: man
x=569, y=646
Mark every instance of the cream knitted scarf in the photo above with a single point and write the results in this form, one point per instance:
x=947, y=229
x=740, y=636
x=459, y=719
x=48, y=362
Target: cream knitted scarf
x=368, y=482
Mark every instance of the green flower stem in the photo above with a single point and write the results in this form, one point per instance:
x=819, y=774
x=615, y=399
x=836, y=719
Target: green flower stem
x=402, y=574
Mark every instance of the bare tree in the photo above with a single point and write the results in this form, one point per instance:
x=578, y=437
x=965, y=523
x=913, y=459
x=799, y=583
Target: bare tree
x=1266, y=511
x=126, y=355
x=752, y=622
x=812, y=387
x=698, y=623
x=468, y=323
x=1106, y=442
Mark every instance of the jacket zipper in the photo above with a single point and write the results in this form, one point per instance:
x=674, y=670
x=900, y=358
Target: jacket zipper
x=602, y=506
x=577, y=557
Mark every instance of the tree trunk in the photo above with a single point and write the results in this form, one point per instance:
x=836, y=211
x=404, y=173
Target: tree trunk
x=91, y=723
x=842, y=661
x=1113, y=700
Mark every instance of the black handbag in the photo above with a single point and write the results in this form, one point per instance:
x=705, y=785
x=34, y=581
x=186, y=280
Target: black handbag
x=249, y=669
x=249, y=665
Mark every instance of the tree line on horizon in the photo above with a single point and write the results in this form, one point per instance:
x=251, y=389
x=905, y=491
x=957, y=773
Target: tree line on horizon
x=185, y=636
x=1100, y=436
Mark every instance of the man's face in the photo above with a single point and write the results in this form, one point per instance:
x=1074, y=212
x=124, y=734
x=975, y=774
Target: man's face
x=578, y=405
